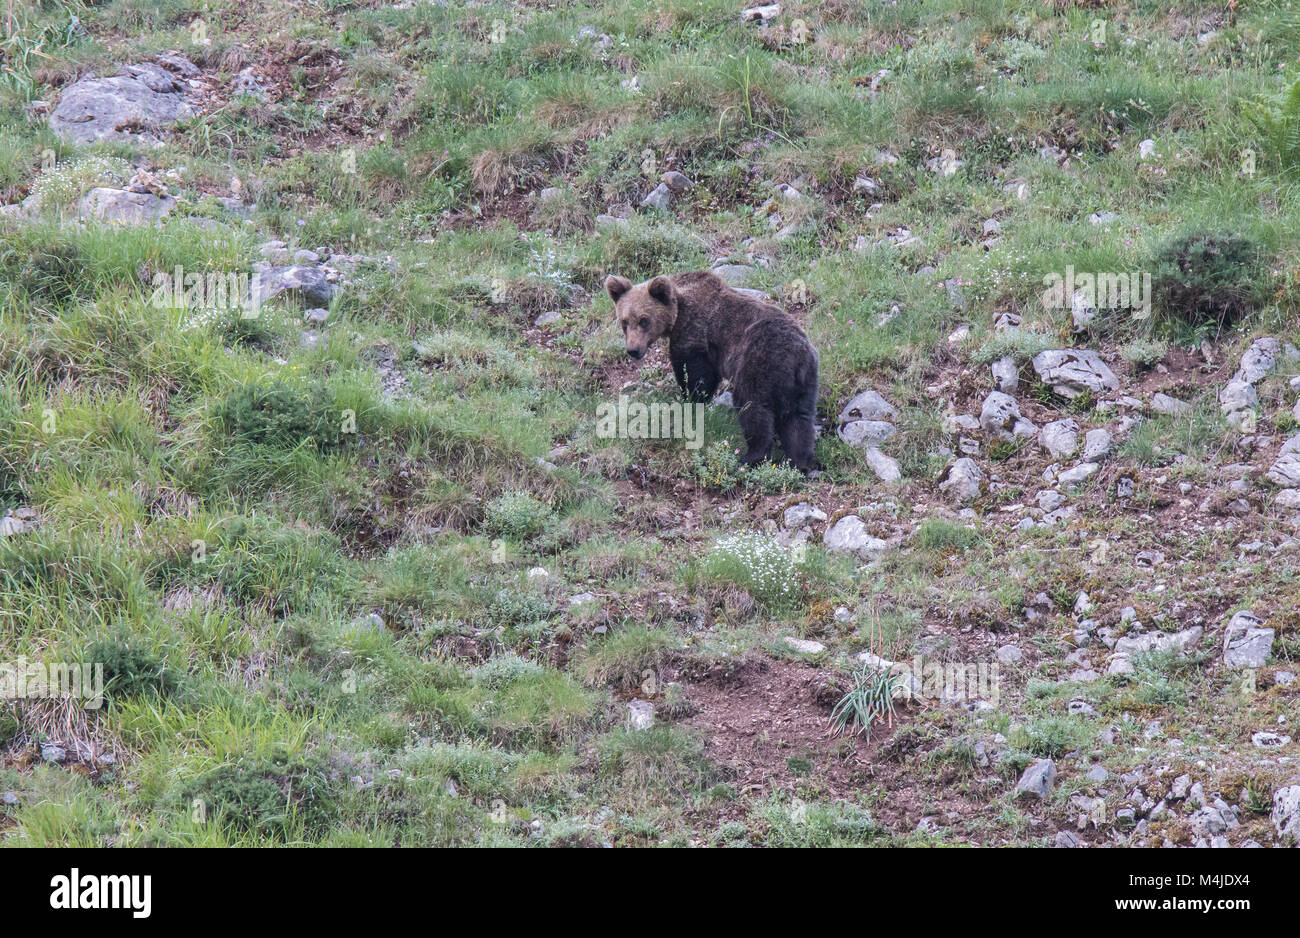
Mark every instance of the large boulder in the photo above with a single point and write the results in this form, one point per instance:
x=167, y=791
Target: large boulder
x=1071, y=372
x=139, y=101
x=123, y=207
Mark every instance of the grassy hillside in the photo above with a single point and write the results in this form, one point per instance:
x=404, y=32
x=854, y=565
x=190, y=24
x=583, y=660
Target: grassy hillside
x=371, y=576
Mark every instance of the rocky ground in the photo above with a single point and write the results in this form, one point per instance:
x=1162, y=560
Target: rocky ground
x=303, y=342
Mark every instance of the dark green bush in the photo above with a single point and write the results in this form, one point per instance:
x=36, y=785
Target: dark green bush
x=282, y=416
x=265, y=796
x=1208, y=281
x=130, y=670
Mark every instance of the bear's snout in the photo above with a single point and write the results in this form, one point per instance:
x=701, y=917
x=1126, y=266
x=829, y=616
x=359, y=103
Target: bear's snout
x=635, y=353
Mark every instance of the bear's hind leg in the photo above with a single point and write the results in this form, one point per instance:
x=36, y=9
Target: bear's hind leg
x=797, y=437
x=756, y=423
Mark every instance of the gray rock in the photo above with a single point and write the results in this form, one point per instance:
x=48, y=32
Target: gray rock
x=310, y=285
x=849, y=536
x=51, y=752
x=1060, y=438
x=1009, y=654
x=1071, y=372
x=1285, y=471
x=803, y=646
x=1097, y=774
x=868, y=406
x=1288, y=498
x=641, y=714
x=548, y=318
x=120, y=207
x=1170, y=406
x=1246, y=643
x=675, y=181
x=141, y=100
x=736, y=275
x=1261, y=359
x=1038, y=780
x=660, y=197
x=801, y=515
x=1000, y=415
x=885, y=467
x=1078, y=475
x=1006, y=374
x=9, y=798
x=866, y=433
x=961, y=481
x=1065, y=839
x=1096, y=445
x=1266, y=740
x=1286, y=812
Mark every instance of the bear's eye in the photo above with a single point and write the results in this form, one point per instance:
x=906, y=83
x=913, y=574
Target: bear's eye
x=624, y=325
x=645, y=323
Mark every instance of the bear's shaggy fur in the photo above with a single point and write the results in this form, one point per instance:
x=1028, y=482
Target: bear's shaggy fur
x=715, y=332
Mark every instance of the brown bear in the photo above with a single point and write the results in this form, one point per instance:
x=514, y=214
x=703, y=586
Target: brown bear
x=715, y=332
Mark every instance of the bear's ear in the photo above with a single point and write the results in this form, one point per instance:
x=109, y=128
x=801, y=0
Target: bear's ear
x=616, y=287
x=662, y=289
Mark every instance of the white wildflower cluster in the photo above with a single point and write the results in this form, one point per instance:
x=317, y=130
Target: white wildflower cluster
x=760, y=564
x=64, y=183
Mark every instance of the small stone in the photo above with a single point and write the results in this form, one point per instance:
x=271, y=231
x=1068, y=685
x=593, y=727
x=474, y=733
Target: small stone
x=1170, y=406
x=1006, y=374
x=1078, y=475
x=641, y=714
x=1096, y=445
x=962, y=480
x=1037, y=780
x=803, y=646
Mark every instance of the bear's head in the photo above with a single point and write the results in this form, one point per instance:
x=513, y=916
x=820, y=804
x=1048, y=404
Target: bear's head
x=646, y=312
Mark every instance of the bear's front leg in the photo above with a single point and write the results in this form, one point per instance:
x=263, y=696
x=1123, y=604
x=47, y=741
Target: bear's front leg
x=757, y=424
x=697, y=377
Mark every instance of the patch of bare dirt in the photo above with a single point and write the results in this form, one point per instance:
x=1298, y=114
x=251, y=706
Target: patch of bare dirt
x=767, y=724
